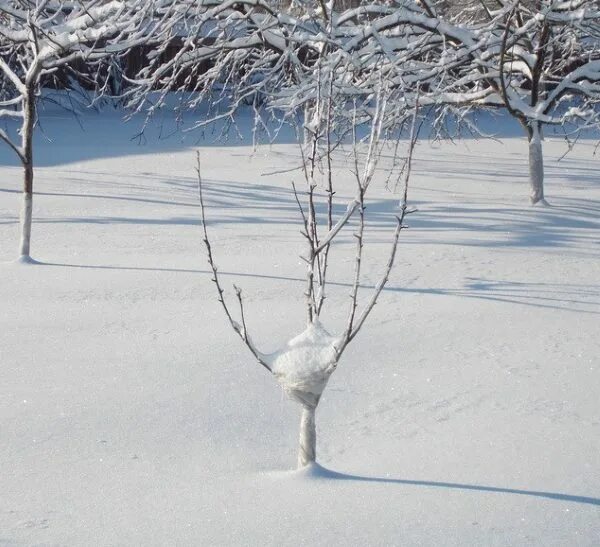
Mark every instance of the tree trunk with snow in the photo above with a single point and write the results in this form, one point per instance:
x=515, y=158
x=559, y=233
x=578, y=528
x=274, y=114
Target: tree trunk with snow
x=536, y=163
x=308, y=437
x=27, y=146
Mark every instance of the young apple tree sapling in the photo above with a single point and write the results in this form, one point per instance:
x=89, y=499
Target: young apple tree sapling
x=303, y=366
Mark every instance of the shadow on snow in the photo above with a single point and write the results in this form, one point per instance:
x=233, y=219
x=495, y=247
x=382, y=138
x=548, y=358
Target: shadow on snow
x=318, y=472
x=571, y=223
x=569, y=296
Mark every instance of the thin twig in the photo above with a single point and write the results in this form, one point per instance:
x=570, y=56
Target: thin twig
x=356, y=326
x=329, y=190
x=241, y=330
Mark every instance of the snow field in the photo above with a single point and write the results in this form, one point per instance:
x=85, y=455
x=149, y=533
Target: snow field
x=465, y=413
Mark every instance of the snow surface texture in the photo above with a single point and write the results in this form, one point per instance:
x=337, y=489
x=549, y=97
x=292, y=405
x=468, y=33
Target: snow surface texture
x=304, y=365
x=465, y=413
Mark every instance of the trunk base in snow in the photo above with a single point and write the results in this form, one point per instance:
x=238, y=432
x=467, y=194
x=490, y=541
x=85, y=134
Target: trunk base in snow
x=26, y=259
x=536, y=165
x=539, y=203
x=26, y=212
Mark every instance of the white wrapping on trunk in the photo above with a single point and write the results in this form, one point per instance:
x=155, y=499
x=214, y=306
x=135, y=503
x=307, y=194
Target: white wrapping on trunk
x=303, y=366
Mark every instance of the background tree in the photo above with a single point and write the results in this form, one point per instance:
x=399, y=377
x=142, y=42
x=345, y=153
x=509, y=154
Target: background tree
x=539, y=60
x=39, y=37
x=260, y=52
x=230, y=54
x=549, y=72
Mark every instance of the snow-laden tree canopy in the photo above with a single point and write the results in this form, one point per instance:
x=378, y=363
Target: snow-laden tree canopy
x=537, y=59
x=39, y=37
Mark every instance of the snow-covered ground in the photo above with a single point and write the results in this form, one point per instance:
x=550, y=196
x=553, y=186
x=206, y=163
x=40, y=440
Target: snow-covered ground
x=465, y=413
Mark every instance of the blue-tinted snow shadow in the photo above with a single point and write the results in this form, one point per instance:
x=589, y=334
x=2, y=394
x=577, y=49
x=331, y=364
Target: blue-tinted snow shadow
x=61, y=138
x=558, y=296
x=227, y=202
x=321, y=473
x=572, y=223
x=577, y=297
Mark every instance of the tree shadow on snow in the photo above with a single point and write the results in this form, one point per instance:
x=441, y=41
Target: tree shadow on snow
x=572, y=224
x=62, y=138
x=560, y=296
x=318, y=472
x=565, y=226
x=564, y=296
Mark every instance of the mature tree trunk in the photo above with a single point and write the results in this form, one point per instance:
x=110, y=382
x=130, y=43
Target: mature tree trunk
x=26, y=214
x=536, y=163
x=308, y=437
x=27, y=145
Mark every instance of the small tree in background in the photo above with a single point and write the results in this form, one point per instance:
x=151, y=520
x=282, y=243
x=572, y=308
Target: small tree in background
x=537, y=59
x=549, y=68
x=37, y=38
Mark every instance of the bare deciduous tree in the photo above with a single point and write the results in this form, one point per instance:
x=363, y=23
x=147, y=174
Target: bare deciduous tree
x=39, y=37
x=539, y=60
x=549, y=72
x=304, y=365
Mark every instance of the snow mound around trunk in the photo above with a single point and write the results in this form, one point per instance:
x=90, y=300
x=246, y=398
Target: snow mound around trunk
x=304, y=365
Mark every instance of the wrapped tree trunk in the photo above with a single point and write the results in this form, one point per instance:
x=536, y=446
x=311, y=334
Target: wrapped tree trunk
x=308, y=437
x=536, y=164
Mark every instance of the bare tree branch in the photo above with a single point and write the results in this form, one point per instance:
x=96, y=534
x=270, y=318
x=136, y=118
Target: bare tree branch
x=241, y=330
